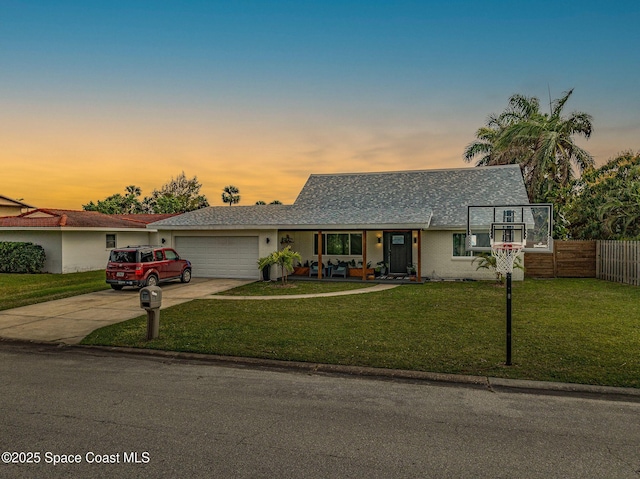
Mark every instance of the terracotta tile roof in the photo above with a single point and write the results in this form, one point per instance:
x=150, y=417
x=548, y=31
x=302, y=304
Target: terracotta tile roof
x=55, y=218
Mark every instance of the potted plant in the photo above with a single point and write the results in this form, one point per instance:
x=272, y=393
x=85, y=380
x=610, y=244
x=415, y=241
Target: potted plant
x=265, y=263
x=359, y=271
x=382, y=268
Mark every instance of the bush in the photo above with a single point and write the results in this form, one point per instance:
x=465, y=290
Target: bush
x=21, y=257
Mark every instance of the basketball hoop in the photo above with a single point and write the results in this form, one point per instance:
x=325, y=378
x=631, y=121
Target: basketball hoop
x=505, y=255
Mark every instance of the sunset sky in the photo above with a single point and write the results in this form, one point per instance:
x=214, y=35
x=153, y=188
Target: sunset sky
x=98, y=95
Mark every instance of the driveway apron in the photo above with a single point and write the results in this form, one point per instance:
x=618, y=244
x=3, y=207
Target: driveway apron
x=69, y=320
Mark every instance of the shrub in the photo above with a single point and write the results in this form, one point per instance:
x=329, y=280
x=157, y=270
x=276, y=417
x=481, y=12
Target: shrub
x=21, y=257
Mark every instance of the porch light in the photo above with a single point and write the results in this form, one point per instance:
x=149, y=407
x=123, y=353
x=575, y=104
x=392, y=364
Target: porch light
x=379, y=240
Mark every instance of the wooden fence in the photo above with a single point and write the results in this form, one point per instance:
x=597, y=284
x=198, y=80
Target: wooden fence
x=618, y=261
x=570, y=259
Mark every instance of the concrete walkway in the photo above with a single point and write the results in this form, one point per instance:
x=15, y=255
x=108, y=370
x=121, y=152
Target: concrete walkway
x=69, y=320
x=372, y=289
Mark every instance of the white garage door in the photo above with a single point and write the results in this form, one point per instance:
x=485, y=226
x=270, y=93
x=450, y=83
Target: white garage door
x=221, y=256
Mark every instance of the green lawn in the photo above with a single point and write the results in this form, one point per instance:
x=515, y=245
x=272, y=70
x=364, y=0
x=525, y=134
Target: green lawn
x=582, y=331
x=24, y=289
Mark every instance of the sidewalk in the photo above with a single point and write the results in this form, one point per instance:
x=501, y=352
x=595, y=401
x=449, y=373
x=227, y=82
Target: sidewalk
x=371, y=289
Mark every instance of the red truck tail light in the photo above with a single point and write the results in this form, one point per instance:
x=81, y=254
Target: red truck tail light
x=139, y=271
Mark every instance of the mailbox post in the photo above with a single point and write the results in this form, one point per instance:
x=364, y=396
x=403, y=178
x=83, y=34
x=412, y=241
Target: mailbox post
x=151, y=300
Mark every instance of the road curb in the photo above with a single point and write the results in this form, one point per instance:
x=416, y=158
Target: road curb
x=491, y=383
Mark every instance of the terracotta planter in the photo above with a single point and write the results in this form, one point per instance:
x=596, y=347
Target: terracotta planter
x=300, y=271
x=357, y=272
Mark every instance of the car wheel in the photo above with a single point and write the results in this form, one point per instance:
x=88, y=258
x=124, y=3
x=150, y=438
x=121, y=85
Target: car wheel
x=117, y=287
x=186, y=276
x=152, y=280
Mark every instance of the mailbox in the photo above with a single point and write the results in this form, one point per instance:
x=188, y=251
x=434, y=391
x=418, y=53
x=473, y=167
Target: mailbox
x=151, y=297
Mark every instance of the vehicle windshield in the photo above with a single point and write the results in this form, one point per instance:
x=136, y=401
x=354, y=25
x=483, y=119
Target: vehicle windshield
x=117, y=256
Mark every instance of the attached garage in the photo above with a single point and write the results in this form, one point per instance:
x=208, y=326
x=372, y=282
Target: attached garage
x=220, y=256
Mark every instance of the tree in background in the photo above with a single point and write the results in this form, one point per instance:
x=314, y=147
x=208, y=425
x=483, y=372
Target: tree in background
x=542, y=144
x=230, y=194
x=606, y=200
x=118, y=204
x=178, y=195
x=274, y=202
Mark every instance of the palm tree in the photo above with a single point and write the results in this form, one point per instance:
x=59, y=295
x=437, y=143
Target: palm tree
x=542, y=144
x=230, y=194
x=520, y=108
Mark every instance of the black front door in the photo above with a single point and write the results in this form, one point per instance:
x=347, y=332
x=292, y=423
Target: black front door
x=398, y=251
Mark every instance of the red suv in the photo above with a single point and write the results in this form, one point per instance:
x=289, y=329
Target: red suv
x=145, y=266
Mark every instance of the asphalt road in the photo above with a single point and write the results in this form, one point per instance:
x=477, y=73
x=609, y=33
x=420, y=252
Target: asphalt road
x=125, y=416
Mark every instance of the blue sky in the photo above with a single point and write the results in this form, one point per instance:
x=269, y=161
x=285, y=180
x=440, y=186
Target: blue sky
x=260, y=94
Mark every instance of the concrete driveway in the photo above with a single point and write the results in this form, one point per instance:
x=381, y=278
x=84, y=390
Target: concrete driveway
x=69, y=320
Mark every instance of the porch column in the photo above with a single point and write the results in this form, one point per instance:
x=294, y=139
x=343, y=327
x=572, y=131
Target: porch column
x=364, y=255
x=418, y=272
x=319, y=254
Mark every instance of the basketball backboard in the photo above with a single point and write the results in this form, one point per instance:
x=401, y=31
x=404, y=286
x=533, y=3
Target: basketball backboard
x=530, y=224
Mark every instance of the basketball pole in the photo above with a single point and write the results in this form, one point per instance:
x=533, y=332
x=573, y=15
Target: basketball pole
x=508, y=362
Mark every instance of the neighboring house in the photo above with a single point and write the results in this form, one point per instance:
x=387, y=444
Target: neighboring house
x=78, y=240
x=403, y=219
x=11, y=207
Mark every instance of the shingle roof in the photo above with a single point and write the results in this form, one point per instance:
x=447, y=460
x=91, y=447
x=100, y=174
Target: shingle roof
x=55, y=218
x=417, y=199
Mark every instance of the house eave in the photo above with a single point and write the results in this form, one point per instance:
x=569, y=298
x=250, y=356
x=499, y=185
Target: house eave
x=359, y=226
x=68, y=228
x=212, y=227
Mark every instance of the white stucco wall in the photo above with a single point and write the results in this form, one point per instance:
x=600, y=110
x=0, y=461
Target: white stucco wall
x=51, y=241
x=87, y=250
x=75, y=250
x=439, y=263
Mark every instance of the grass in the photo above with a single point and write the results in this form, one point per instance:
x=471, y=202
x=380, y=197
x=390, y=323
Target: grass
x=568, y=330
x=292, y=287
x=24, y=289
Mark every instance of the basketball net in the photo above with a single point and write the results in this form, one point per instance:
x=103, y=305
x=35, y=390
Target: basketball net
x=505, y=255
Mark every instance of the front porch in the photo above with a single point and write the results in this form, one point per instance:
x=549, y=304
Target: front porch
x=348, y=255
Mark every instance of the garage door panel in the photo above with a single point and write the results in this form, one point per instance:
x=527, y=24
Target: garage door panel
x=221, y=256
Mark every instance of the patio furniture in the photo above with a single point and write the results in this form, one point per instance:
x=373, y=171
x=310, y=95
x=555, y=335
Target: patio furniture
x=313, y=269
x=341, y=270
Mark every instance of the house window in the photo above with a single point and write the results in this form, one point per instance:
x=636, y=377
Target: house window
x=111, y=241
x=460, y=246
x=345, y=244
x=355, y=242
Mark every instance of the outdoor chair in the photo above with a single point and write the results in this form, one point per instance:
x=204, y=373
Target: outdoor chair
x=341, y=270
x=313, y=269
